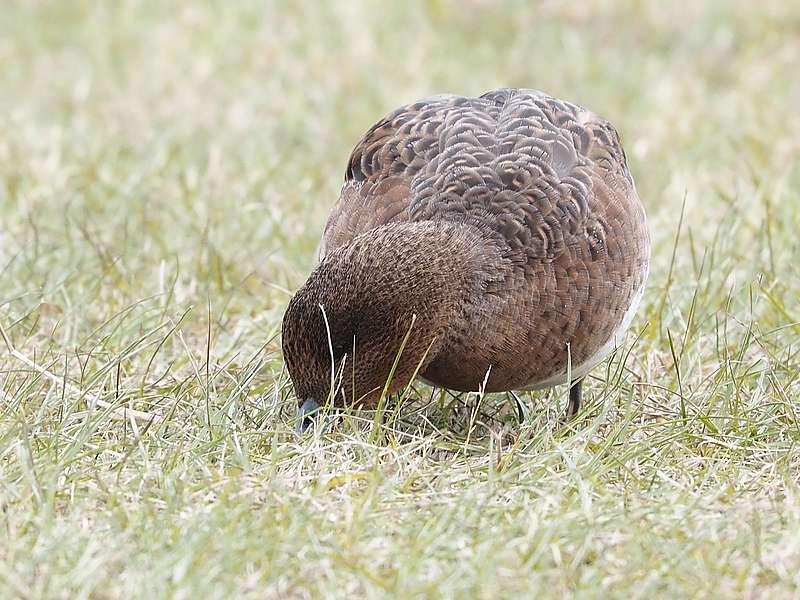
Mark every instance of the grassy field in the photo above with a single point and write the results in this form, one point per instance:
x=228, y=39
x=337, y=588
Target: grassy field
x=165, y=172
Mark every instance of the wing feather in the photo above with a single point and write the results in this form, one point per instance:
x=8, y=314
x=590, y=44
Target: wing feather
x=518, y=164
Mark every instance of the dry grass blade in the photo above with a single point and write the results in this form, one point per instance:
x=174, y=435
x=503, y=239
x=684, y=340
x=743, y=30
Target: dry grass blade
x=115, y=412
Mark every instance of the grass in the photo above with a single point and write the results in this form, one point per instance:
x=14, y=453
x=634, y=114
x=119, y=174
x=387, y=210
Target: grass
x=165, y=173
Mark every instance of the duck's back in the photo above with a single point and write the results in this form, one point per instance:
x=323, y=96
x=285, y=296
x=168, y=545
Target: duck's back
x=546, y=182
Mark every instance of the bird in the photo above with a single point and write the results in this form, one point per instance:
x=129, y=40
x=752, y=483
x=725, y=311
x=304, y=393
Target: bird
x=490, y=243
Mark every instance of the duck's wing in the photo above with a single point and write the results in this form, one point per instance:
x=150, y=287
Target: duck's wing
x=530, y=170
x=535, y=172
x=381, y=170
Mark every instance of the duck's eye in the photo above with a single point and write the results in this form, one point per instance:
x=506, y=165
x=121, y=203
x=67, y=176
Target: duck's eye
x=339, y=350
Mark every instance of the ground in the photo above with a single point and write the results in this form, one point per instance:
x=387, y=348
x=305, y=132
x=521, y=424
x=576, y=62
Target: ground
x=165, y=173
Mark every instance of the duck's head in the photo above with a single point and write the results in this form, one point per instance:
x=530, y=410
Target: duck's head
x=381, y=305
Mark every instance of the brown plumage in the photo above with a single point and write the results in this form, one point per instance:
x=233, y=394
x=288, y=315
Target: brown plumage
x=502, y=234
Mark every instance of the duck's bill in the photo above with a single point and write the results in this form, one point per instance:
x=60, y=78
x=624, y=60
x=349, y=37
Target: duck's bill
x=306, y=415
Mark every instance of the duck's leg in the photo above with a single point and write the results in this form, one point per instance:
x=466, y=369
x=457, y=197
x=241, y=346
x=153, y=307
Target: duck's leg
x=575, y=394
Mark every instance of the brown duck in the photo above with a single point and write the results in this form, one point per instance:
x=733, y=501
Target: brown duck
x=491, y=243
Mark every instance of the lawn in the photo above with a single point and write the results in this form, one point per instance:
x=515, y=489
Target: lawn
x=165, y=173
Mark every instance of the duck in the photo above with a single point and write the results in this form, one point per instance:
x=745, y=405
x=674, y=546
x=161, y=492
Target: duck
x=490, y=243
